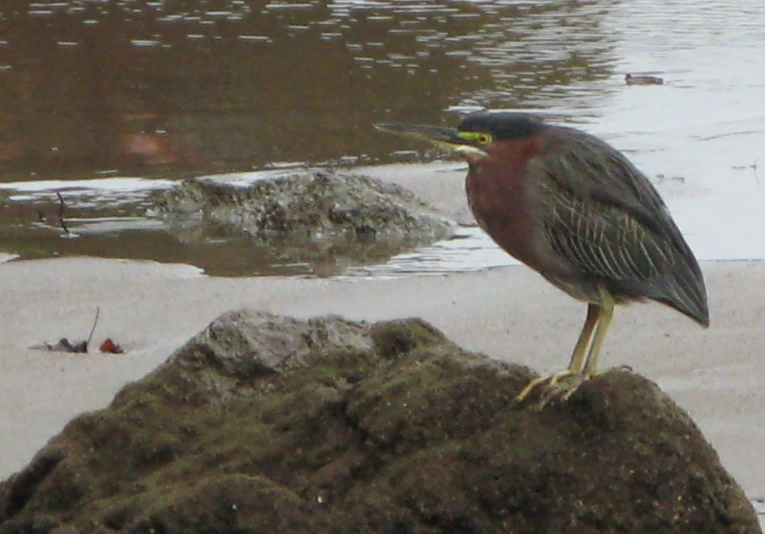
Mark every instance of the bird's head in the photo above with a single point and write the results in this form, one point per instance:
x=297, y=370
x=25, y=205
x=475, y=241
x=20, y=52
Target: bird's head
x=475, y=136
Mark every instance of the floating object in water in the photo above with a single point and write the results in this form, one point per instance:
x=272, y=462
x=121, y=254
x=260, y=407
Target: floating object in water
x=643, y=80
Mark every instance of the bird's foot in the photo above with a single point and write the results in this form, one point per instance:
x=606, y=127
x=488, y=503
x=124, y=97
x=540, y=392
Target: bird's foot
x=561, y=385
x=553, y=380
x=568, y=387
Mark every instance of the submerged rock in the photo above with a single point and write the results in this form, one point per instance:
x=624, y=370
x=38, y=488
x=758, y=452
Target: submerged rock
x=264, y=423
x=306, y=206
x=326, y=220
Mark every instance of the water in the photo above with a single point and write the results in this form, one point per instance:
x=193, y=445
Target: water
x=93, y=95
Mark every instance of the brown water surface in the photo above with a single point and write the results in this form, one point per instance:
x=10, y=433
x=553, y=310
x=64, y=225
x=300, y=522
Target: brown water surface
x=170, y=88
x=221, y=85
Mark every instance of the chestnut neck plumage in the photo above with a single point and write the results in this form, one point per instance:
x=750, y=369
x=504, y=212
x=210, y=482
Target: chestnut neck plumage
x=498, y=195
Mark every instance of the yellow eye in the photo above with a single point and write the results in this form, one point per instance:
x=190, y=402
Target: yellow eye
x=476, y=138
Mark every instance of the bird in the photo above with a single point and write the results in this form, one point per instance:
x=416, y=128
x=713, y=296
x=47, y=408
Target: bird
x=643, y=80
x=577, y=211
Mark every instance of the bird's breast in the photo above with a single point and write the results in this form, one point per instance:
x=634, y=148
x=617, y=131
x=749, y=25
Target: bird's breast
x=499, y=203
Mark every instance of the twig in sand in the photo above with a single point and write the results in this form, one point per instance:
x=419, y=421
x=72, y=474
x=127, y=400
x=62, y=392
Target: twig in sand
x=93, y=329
x=61, y=220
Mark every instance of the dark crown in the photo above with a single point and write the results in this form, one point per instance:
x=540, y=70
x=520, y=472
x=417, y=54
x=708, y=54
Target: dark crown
x=502, y=125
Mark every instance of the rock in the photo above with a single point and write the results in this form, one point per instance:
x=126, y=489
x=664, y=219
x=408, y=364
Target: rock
x=300, y=206
x=263, y=423
x=328, y=220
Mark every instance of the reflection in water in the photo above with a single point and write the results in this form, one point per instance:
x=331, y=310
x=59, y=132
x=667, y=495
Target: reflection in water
x=220, y=85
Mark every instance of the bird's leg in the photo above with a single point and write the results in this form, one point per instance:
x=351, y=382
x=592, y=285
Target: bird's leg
x=590, y=366
x=606, y=314
x=577, y=357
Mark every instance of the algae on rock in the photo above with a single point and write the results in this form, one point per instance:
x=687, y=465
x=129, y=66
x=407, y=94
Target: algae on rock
x=329, y=220
x=306, y=206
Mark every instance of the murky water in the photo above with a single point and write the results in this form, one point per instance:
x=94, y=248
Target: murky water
x=162, y=89
x=228, y=84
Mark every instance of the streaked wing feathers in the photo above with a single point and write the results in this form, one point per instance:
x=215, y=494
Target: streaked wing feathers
x=605, y=218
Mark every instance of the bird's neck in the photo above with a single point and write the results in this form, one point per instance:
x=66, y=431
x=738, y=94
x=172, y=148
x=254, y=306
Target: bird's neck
x=498, y=196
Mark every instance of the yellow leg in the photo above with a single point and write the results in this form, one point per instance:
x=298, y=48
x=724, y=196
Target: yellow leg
x=577, y=357
x=606, y=314
x=590, y=367
x=577, y=362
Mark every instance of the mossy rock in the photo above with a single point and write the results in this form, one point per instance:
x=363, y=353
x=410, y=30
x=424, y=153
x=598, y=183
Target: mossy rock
x=310, y=206
x=328, y=220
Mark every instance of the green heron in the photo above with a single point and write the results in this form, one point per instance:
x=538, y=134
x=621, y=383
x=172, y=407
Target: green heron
x=578, y=212
x=642, y=80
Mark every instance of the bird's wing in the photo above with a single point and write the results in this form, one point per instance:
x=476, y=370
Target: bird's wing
x=592, y=169
x=600, y=238
x=604, y=217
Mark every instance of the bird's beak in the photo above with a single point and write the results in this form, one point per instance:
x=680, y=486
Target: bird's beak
x=448, y=138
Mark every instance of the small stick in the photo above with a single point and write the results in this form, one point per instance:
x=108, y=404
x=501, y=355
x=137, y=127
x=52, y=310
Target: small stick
x=61, y=212
x=95, y=322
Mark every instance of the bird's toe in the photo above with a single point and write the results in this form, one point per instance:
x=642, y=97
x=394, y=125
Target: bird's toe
x=530, y=387
x=554, y=382
x=559, y=386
